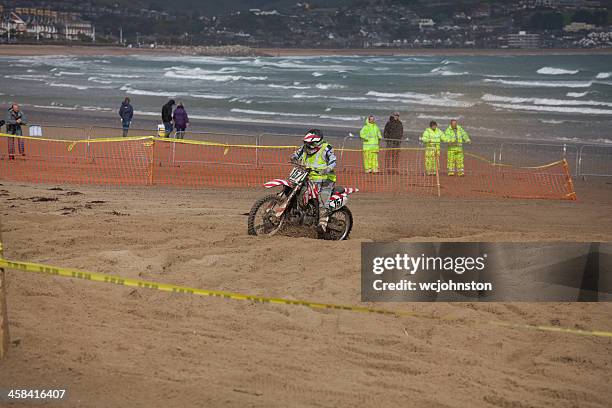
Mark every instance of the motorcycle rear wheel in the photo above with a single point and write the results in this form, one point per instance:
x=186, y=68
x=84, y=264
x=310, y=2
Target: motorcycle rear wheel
x=339, y=225
x=262, y=220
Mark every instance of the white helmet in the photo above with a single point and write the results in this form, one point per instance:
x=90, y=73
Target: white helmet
x=313, y=141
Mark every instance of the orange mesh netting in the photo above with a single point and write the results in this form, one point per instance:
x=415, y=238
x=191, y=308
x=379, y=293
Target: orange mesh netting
x=188, y=163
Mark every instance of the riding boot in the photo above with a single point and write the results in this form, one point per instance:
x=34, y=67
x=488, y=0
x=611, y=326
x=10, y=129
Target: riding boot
x=323, y=219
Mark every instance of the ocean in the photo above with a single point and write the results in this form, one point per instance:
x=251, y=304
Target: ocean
x=551, y=97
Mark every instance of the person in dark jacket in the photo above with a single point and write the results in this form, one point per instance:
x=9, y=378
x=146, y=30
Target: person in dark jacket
x=14, y=120
x=393, y=135
x=167, y=116
x=181, y=120
x=126, y=112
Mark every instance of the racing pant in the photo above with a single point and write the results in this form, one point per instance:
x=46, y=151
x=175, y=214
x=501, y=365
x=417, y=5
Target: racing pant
x=325, y=187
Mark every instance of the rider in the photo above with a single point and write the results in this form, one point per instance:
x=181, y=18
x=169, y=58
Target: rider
x=319, y=157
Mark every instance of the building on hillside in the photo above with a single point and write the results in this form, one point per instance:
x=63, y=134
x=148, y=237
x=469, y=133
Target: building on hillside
x=577, y=26
x=524, y=40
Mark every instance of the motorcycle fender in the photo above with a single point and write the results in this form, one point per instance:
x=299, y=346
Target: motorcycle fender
x=337, y=201
x=276, y=183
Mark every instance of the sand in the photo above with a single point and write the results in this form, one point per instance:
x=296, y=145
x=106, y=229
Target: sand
x=117, y=346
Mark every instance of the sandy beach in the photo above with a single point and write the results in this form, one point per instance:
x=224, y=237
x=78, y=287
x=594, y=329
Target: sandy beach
x=179, y=350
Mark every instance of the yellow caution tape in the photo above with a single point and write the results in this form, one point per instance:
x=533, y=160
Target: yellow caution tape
x=138, y=283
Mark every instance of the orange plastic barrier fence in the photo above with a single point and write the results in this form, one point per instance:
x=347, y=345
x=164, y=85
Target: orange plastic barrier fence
x=186, y=163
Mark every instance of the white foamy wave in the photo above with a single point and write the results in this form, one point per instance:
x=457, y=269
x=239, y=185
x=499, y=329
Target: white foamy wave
x=556, y=71
x=207, y=96
x=577, y=94
x=60, y=85
x=120, y=75
x=59, y=107
x=288, y=86
x=438, y=117
x=36, y=78
x=344, y=118
x=99, y=80
x=329, y=86
x=604, y=75
x=96, y=109
x=197, y=73
x=256, y=112
x=445, y=72
x=552, y=121
x=340, y=98
x=420, y=99
x=67, y=73
x=543, y=84
x=556, y=109
x=128, y=89
x=317, y=74
x=543, y=101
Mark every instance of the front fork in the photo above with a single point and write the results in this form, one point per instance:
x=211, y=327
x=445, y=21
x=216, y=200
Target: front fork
x=280, y=210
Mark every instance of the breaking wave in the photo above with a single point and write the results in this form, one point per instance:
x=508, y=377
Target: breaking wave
x=205, y=75
x=420, y=99
x=329, y=86
x=543, y=84
x=543, y=101
x=128, y=89
x=288, y=86
x=556, y=71
x=555, y=109
x=577, y=94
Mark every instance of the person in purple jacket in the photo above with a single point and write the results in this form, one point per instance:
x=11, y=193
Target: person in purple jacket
x=181, y=120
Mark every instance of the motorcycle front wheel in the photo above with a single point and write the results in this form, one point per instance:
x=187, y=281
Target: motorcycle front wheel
x=262, y=218
x=339, y=225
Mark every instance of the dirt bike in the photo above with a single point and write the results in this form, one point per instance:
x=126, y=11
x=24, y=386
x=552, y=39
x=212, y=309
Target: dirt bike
x=297, y=204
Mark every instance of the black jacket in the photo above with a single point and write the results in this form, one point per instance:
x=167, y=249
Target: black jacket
x=394, y=129
x=167, y=111
x=126, y=112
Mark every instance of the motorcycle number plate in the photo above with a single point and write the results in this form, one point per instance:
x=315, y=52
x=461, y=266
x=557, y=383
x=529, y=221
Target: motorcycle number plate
x=297, y=175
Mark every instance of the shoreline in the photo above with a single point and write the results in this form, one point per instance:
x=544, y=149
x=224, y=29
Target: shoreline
x=17, y=50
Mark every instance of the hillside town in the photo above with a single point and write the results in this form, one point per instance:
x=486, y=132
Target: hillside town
x=365, y=24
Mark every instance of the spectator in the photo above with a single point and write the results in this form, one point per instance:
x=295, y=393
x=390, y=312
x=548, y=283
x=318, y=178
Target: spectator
x=393, y=133
x=181, y=120
x=126, y=112
x=14, y=120
x=167, y=116
x=370, y=135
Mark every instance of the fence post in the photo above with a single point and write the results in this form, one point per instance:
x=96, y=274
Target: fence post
x=4, y=329
x=437, y=171
x=152, y=161
x=91, y=131
x=570, y=183
x=257, y=141
x=579, y=162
